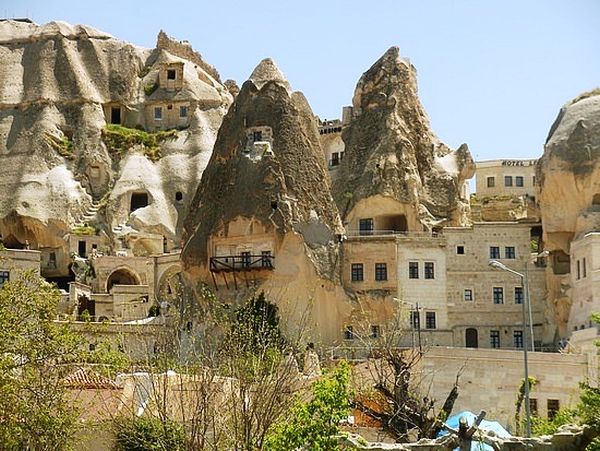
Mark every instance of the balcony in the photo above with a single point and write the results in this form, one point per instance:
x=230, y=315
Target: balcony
x=246, y=262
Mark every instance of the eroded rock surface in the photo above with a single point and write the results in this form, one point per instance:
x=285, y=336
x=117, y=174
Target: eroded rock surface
x=60, y=85
x=265, y=190
x=392, y=155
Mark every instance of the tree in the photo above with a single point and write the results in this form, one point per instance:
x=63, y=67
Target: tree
x=314, y=424
x=398, y=399
x=35, y=356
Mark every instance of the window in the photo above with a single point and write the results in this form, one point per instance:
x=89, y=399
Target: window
x=265, y=260
x=533, y=180
x=380, y=271
x=171, y=74
x=245, y=259
x=158, y=113
x=429, y=272
x=375, y=331
x=4, y=277
x=518, y=338
x=357, y=272
x=498, y=295
x=468, y=294
x=509, y=252
x=335, y=158
x=494, y=252
x=460, y=250
x=578, y=269
x=256, y=136
x=413, y=270
x=415, y=322
x=178, y=196
x=508, y=180
x=430, y=320
x=553, y=406
x=349, y=333
x=183, y=111
x=519, y=181
x=533, y=406
x=491, y=182
x=518, y=295
x=495, y=339
x=365, y=226
x=584, y=269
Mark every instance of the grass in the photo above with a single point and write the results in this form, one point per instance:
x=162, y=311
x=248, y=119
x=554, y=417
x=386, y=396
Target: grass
x=119, y=140
x=84, y=230
x=149, y=89
x=64, y=146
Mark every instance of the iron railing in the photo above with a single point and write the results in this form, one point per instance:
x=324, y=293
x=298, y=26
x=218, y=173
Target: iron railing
x=241, y=262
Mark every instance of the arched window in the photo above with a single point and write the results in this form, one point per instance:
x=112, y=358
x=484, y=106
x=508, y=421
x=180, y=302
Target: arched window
x=122, y=276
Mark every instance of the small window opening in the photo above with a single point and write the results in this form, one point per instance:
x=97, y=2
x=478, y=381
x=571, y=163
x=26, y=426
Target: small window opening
x=256, y=136
x=460, y=250
x=178, y=196
x=169, y=107
x=171, y=74
x=274, y=204
x=138, y=200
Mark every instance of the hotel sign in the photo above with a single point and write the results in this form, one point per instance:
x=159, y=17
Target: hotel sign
x=518, y=162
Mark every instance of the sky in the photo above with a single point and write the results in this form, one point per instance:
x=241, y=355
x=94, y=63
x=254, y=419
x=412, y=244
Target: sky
x=491, y=73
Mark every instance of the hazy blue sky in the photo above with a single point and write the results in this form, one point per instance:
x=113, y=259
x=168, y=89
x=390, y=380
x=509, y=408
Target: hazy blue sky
x=492, y=74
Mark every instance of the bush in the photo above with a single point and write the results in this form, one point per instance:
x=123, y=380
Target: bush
x=544, y=426
x=119, y=140
x=314, y=425
x=148, y=434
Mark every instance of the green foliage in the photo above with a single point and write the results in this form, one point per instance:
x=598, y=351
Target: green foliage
x=534, y=245
x=314, y=424
x=119, y=140
x=256, y=325
x=589, y=406
x=64, y=146
x=149, y=89
x=107, y=360
x=83, y=230
x=35, y=411
x=521, y=397
x=544, y=426
x=148, y=434
x=594, y=445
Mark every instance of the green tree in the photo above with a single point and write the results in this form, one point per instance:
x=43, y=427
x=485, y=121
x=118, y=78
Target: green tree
x=35, y=357
x=314, y=424
x=148, y=434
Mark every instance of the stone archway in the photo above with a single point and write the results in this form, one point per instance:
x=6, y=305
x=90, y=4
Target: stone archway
x=122, y=276
x=170, y=286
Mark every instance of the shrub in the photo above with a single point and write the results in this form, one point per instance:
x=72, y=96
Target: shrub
x=64, y=146
x=119, y=140
x=148, y=434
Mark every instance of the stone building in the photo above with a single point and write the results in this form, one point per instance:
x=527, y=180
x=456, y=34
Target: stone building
x=505, y=177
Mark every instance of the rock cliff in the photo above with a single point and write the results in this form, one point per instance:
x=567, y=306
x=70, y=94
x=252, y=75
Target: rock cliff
x=61, y=162
x=392, y=154
x=569, y=198
x=569, y=172
x=268, y=166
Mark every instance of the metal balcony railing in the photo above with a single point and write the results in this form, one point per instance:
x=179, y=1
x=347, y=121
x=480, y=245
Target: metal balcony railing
x=241, y=263
x=376, y=232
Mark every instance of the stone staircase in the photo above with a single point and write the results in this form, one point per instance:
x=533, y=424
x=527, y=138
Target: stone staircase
x=90, y=215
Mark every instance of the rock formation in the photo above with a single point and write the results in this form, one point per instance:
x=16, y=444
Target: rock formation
x=569, y=182
x=60, y=85
x=265, y=193
x=393, y=158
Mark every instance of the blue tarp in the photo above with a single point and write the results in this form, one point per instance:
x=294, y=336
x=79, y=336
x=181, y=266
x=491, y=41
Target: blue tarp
x=485, y=425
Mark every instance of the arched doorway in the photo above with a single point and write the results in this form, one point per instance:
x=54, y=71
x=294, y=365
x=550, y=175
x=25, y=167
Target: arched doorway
x=471, y=338
x=122, y=276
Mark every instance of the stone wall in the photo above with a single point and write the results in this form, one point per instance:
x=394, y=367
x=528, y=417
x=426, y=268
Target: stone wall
x=185, y=50
x=490, y=378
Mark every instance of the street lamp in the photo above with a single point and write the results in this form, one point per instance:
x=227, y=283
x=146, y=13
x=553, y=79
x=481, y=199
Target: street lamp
x=497, y=265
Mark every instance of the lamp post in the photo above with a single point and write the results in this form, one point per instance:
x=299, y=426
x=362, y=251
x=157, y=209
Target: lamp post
x=524, y=286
